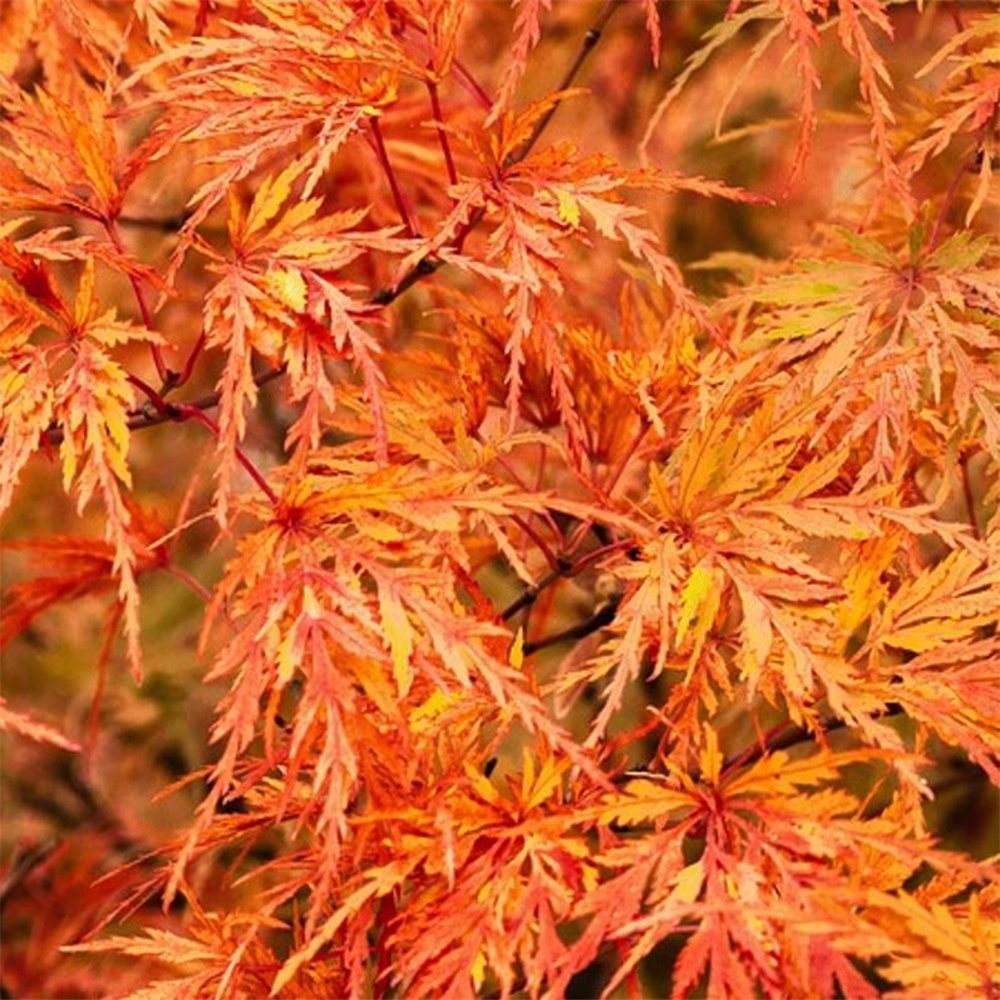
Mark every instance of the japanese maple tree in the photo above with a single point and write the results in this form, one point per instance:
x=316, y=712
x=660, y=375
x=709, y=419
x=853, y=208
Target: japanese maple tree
x=500, y=499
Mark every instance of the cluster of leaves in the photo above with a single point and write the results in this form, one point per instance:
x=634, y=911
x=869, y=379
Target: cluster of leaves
x=572, y=622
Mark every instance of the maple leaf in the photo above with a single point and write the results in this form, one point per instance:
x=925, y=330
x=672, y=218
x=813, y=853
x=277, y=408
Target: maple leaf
x=799, y=23
x=535, y=202
x=969, y=101
x=80, y=43
x=90, y=402
x=718, y=899
x=919, y=299
x=224, y=954
x=297, y=80
x=26, y=725
x=336, y=606
x=60, y=157
x=278, y=297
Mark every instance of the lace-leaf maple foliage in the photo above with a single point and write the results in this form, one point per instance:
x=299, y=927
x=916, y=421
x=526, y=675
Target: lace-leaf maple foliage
x=514, y=597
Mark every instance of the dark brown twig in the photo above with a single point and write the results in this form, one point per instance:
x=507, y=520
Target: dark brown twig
x=167, y=224
x=785, y=735
x=590, y=40
x=604, y=615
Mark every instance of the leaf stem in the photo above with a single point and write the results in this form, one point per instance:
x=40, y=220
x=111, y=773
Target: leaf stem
x=114, y=233
x=191, y=358
x=194, y=413
x=785, y=735
x=472, y=85
x=180, y=412
x=152, y=416
x=627, y=456
x=442, y=134
x=397, y=194
x=550, y=556
x=188, y=580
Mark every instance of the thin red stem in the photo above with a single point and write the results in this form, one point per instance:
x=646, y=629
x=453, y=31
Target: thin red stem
x=186, y=578
x=193, y=413
x=472, y=85
x=626, y=457
x=579, y=533
x=946, y=203
x=596, y=555
x=191, y=358
x=550, y=556
x=442, y=134
x=397, y=194
x=111, y=226
x=103, y=656
x=186, y=411
x=159, y=403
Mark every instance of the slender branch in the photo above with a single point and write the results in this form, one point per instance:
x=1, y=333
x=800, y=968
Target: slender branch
x=189, y=581
x=180, y=412
x=627, y=456
x=565, y=569
x=550, y=557
x=785, y=735
x=472, y=85
x=604, y=615
x=423, y=267
x=586, y=526
x=442, y=134
x=167, y=410
x=149, y=415
x=140, y=296
x=397, y=193
x=193, y=413
x=192, y=357
x=528, y=596
x=168, y=224
x=208, y=402
x=946, y=203
x=595, y=555
x=779, y=737
x=590, y=40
